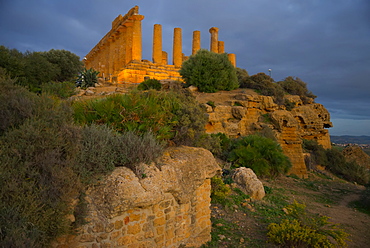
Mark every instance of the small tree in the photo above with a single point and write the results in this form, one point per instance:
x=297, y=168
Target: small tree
x=87, y=78
x=209, y=71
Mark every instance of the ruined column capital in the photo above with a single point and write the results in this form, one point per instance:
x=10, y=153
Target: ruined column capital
x=213, y=29
x=137, y=17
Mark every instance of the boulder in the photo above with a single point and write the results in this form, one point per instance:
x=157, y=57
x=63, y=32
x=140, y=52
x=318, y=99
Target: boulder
x=247, y=181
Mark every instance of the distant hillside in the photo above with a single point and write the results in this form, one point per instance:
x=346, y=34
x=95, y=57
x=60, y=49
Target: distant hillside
x=346, y=139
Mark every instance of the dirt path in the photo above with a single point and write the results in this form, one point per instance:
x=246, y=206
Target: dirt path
x=357, y=224
x=332, y=198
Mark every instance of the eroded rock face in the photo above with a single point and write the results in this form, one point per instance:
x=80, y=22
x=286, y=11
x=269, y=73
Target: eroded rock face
x=167, y=208
x=248, y=182
x=356, y=154
x=243, y=112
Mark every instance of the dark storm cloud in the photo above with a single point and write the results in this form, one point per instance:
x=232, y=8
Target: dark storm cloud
x=325, y=43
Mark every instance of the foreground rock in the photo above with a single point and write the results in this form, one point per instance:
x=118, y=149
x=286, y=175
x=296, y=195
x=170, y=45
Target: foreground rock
x=246, y=180
x=168, y=208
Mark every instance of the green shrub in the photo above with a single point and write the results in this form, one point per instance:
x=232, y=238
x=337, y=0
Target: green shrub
x=59, y=89
x=299, y=229
x=173, y=115
x=37, y=181
x=265, y=85
x=16, y=104
x=348, y=170
x=103, y=149
x=289, y=105
x=45, y=164
x=264, y=156
x=318, y=155
x=363, y=204
x=150, y=84
x=87, y=78
x=219, y=190
x=335, y=161
x=138, y=112
x=190, y=118
x=295, y=86
x=209, y=71
x=243, y=77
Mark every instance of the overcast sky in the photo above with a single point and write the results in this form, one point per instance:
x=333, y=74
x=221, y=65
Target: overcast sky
x=326, y=43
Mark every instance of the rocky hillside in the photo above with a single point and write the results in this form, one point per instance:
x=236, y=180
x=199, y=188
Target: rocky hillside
x=242, y=112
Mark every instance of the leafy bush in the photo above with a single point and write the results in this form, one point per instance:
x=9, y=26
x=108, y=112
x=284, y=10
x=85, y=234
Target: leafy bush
x=243, y=77
x=264, y=156
x=16, y=103
x=87, y=78
x=300, y=229
x=295, y=86
x=59, y=89
x=138, y=112
x=209, y=71
x=219, y=190
x=264, y=85
x=363, y=204
x=318, y=155
x=46, y=161
x=37, y=182
x=335, y=161
x=349, y=170
x=169, y=115
x=150, y=84
x=190, y=119
x=103, y=149
x=32, y=69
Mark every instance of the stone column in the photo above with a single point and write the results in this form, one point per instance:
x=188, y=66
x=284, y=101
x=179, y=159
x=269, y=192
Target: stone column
x=123, y=37
x=164, y=58
x=221, y=47
x=128, y=38
x=232, y=58
x=136, y=37
x=196, y=42
x=157, y=44
x=111, y=56
x=177, y=47
x=214, y=39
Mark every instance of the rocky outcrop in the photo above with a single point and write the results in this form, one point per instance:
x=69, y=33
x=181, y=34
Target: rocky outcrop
x=169, y=207
x=357, y=155
x=243, y=112
x=246, y=180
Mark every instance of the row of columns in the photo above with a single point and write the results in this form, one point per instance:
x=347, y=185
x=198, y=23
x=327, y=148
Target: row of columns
x=121, y=46
x=177, y=55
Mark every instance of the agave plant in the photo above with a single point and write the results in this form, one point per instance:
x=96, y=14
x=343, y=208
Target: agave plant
x=87, y=78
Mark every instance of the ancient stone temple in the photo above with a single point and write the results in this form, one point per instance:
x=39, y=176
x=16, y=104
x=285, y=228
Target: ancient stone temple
x=118, y=55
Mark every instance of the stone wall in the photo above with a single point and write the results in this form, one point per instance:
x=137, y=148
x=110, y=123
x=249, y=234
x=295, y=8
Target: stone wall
x=169, y=207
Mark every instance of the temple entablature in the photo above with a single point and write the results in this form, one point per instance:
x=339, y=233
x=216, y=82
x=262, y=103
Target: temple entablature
x=118, y=55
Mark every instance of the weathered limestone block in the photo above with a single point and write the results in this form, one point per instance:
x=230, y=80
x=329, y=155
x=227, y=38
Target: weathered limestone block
x=248, y=182
x=167, y=208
